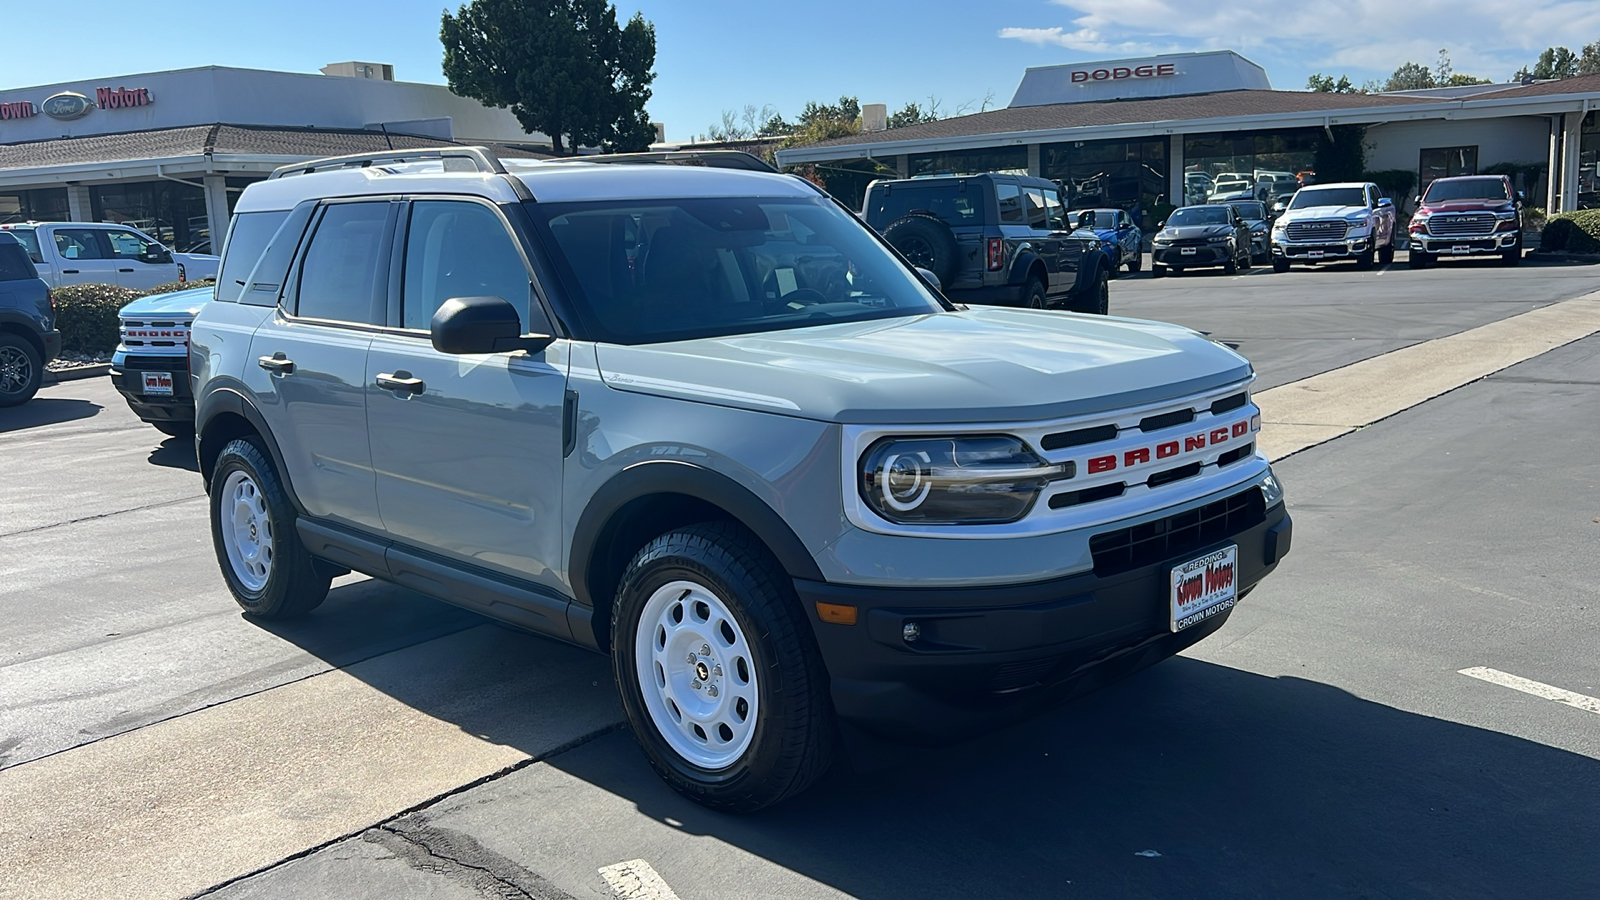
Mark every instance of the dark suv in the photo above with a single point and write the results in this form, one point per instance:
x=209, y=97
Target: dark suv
x=28, y=335
x=998, y=239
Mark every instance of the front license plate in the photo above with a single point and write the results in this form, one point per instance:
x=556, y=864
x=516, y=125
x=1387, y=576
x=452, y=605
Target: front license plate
x=1317, y=254
x=1460, y=249
x=158, y=383
x=1205, y=587
x=1186, y=251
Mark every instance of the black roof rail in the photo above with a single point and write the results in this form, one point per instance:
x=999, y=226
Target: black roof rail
x=713, y=159
x=477, y=159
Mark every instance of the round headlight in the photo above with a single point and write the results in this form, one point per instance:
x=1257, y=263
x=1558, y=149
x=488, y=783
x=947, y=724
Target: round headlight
x=966, y=480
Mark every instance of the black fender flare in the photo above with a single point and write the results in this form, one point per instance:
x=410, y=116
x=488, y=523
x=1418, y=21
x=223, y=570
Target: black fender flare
x=1024, y=262
x=231, y=400
x=666, y=476
x=1090, y=266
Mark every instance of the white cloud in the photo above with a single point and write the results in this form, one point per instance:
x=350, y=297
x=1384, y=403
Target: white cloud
x=1367, y=38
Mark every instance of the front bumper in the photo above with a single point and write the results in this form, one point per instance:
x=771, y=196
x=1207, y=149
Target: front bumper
x=986, y=656
x=127, y=375
x=1174, y=257
x=1466, y=246
x=1311, y=251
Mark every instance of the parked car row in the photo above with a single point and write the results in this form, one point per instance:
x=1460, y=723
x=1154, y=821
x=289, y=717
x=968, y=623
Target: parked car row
x=100, y=253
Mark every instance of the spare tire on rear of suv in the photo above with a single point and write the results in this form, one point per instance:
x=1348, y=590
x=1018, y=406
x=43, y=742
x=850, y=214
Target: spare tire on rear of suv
x=927, y=242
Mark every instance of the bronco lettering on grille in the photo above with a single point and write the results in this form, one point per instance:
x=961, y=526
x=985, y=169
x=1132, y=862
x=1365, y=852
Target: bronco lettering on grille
x=1095, y=465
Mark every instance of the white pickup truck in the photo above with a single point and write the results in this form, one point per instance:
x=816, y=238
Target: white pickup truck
x=1329, y=222
x=101, y=253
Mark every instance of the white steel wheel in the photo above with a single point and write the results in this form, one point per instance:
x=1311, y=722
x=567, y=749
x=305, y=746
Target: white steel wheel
x=246, y=530
x=697, y=675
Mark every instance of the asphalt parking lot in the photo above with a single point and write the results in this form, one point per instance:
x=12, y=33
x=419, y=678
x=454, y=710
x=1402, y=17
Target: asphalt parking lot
x=1323, y=744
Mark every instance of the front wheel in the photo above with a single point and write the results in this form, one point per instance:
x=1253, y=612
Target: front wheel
x=720, y=676
x=1418, y=259
x=266, y=567
x=1136, y=263
x=1386, y=254
x=21, y=370
x=1511, y=257
x=1157, y=270
x=1280, y=265
x=1364, y=260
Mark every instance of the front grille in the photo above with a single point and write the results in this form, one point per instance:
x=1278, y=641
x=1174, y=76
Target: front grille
x=1087, y=495
x=136, y=343
x=1316, y=231
x=1228, y=404
x=1018, y=675
x=1462, y=225
x=1166, y=420
x=1127, y=549
x=1064, y=439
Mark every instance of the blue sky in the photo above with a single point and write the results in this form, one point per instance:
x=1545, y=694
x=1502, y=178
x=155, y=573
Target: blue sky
x=717, y=54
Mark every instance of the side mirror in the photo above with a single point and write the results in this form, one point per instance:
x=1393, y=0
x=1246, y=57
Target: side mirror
x=1161, y=224
x=931, y=279
x=158, y=255
x=1417, y=200
x=482, y=325
x=1384, y=201
x=1521, y=197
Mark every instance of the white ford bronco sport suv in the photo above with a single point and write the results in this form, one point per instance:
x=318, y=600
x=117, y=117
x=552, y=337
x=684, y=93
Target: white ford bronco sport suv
x=703, y=419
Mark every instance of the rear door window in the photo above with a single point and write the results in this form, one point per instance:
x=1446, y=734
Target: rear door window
x=14, y=263
x=1033, y=202
x=339, y=275
x=80, y=243
x=1010, y=198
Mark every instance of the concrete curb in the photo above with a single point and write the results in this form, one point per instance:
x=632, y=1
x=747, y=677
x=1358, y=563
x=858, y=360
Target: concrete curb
x=92, y=371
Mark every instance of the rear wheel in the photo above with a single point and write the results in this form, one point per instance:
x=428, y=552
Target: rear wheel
x=719, y=673
x=1033, y=295
x=21, y=370
x=266, y=567
x=1097, y=299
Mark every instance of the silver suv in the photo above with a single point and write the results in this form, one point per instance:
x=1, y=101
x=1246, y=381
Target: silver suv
x=704, y=420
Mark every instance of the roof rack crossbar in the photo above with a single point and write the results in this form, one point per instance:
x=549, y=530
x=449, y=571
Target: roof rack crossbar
x=482, y=159
x=714, y=159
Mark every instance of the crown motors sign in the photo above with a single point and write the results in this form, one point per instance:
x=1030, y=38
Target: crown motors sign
x=69, y=105
x=1118, y=73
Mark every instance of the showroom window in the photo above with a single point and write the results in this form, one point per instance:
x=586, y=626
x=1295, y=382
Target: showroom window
x=1588, y=164
x=48, y=205
x=1130, y=175
x=172, y=213
x=1270, y=163
x=1009, y=160
x=1446, y=162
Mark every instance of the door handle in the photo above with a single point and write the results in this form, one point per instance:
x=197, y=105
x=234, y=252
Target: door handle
x=277, y=364
x=400, y=381
x=69, y=271
x=124, y=270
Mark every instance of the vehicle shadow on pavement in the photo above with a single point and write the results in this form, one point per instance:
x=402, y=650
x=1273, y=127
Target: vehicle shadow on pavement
x=175, y=453
x=46, y=411
x=1246, y=786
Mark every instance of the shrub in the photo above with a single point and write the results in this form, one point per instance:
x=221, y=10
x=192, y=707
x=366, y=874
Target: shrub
x=1574, y=232
x=172, y=287
x=86, y=314
x=1396, y=184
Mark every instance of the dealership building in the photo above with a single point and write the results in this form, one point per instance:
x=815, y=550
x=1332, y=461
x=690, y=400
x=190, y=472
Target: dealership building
x=169, y=152
x=1137, y=133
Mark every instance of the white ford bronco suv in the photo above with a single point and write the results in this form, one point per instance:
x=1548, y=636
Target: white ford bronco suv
x=703, y=419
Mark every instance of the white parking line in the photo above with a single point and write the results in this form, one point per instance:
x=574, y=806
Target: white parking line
x=636, y=880
x=1536, y=688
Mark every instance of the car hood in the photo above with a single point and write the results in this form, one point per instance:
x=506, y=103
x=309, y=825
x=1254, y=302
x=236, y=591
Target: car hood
x=176, y=303
x=1190, y=232
x=1450, y=206
x=976, y=365
x=1321, y=212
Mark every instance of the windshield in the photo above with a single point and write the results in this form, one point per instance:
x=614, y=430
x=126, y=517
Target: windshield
x=1250, y=210
x=663, y=270
x=1199, y=215
x=1332, y=196
x=1466, y=189
x=30, y=240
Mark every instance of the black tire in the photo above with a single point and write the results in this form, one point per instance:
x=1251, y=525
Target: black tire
x=1280, y=265
x=1033, y=295
x=1116, y=264
x=1418, y=259
x=795, y=736
x=1386, y=254
x=1157, y=270
x=1136, y=263
x=1511, y=257
x=174, y=428
x=926, y=242
x=293, y=586
x=1364, y=261
x=21, y=370
x=1231, y=267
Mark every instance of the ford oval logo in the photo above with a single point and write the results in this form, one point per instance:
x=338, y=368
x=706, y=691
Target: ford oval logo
x=66, y=105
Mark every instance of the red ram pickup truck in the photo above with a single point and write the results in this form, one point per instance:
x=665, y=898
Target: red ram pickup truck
x=1468, y=215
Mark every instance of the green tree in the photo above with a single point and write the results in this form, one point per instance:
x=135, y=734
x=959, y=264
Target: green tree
x=564, y=67
x=1589, y=61
x=1555, y=62
x=1410, y=76
x=1324, y=84
x=915, y=114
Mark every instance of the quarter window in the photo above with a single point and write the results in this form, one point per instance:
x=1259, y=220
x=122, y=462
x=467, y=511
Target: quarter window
x=79, y=243
x=338, y=279
x=459, y=249
x=247, y=239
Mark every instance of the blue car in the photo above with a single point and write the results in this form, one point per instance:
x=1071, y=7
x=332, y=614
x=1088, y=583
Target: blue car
x=1121, y=238
x=151, y=366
